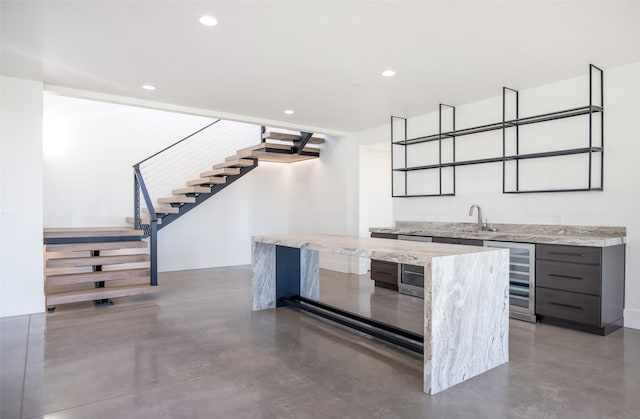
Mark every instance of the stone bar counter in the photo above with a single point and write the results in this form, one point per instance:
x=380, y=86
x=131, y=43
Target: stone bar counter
x=594, y=236
x=466, y=306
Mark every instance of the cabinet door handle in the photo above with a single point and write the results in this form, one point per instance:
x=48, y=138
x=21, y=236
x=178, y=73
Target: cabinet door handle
x=566, y=276
x=566, y=305
x=567, y=254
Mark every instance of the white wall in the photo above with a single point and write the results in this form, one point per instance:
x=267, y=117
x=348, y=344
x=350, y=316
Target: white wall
x=375, y=205
x=89, y=182
x=482, y=184
x=21, y=269
x=218, y=232
x=321, y=197
x=88, y=177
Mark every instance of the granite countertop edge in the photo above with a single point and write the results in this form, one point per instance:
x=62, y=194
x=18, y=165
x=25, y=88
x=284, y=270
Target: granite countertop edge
x=509, y=236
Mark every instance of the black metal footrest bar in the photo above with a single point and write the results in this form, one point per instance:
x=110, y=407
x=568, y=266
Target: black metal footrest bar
x=383, y=331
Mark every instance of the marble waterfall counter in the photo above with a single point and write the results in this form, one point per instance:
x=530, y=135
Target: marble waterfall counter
x=466, y=306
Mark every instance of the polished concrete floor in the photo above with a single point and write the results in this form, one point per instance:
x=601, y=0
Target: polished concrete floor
x=195, y=350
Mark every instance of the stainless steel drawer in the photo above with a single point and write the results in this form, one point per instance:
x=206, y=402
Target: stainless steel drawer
x=569, y=276
x=579, y=308
x=573, y=254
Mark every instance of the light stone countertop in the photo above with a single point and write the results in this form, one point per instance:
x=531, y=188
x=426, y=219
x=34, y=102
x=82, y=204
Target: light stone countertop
x=466, y=301
x=414, y=253
x=593, y=236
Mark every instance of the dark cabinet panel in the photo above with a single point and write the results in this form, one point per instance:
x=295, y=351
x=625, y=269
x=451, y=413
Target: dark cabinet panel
x=569, y=276
x=576, y=254
x=383, y=273
x=571, y=306
x=384, y=266
x=384, y=236
x=580, y=287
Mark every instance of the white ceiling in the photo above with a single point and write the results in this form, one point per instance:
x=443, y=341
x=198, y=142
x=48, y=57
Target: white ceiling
x=323, y=59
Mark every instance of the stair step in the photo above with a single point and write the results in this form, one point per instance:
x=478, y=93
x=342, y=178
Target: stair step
x=143, y=220
x=235, y=162
x=227, y=171
x=59, y=233
x=79, y=247
x=96, y=260
x=289, y=137
x=279, y=157
x=99, y=293
x=259, y=151
x=191, y=189
x=163, y=210
x=213, y=180
x=80, y=278
x=277, y=146
x=177, y=200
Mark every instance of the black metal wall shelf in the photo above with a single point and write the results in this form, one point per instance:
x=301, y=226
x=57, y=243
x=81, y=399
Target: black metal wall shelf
x=567, y=152
x=585, y=110
x=504, y=125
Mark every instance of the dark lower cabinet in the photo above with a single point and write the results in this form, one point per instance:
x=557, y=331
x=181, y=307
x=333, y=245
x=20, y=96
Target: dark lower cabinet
x=580, y=287
x=383, y=273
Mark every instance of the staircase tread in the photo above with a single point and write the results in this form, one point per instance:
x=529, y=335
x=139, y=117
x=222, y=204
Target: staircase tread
x=279, y=157
x=263, y=145
x=177, y=200
x=83, y=277
x=163, y=210
x=280, y=136
x=79, y=247
x=227, y=171
x=143, y=220
x=99, y=293
x=76, y=232
x=191, y=189
x=208, y=180
x=96, y=260
x=236, y=161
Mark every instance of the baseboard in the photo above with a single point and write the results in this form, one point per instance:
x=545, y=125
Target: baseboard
x=632, y=318
x=19, y=306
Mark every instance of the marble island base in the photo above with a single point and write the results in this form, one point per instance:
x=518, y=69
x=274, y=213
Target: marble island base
x=466, y=307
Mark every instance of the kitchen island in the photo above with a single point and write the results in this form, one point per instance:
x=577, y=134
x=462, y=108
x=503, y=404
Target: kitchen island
x=466, y=306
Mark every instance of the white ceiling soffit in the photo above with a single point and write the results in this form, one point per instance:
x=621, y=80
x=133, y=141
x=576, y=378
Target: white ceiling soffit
x=322, y=59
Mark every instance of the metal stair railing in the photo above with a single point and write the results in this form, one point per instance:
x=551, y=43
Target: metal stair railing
x=160, y=173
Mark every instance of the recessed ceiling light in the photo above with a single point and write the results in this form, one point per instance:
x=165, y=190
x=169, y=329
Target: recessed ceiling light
x=388, y=73
x=288, y=112
x=148, y=87
x=208, y=20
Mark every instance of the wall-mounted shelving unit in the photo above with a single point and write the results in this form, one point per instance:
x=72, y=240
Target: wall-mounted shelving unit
x=447, y=138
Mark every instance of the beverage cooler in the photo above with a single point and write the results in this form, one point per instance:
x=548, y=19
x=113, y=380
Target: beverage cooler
x=522, y=287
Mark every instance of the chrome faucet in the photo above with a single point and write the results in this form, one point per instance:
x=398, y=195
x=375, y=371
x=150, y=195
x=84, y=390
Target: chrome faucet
x=481, y=226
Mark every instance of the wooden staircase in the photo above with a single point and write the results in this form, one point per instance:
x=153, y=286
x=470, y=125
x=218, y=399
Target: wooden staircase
x=95, y=264
x=98, y=264
x=275, y=147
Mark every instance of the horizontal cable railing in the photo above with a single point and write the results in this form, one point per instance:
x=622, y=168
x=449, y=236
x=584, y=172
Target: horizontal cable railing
x=185, y=160
x=156, y=176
